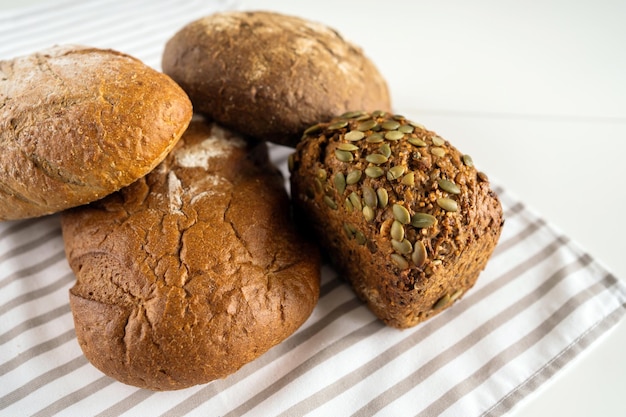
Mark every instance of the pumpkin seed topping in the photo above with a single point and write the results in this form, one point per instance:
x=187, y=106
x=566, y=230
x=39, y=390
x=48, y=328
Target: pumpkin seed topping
x=369, y=196
x=374, y=138
x=368, y=213
x=330, y=202
x=449, y=186
x=390, y=125
x=385, y=149
x=409, y=179
x=352, y=114
x=394, y=135
x=353, y=176
x=417, y=142
x=442, y=302
x=447, y=204
x=395, y=172
x=313, y=129
x=399, y=261
x=360, y=238
x=467, y=160
x=340, y=182
x=344, y=156
x=356, y=201
x=422, y=220
x=347, y=147
x=366, y=125
x=397, y=231
x=406, y=129
x=383, y=197
x=401, y=214
x=374, y=171
x=349, y=206
x=376, y=158
x=437, y=151
x=419, y=253
x=404, y=247
x=337, y=125
x=354, y=135
x=437, y=141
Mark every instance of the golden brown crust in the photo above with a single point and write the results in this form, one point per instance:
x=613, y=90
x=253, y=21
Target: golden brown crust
x=269, y=75
x=78, y=123
x=404, y=216
x=192, y=271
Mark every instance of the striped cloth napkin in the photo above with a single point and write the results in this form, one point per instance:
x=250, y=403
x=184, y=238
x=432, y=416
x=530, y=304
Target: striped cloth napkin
x=540, y=302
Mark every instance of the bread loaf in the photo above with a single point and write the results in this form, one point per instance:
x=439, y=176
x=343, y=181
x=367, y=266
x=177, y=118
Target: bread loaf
x=192, y=271
x=404, y=215
x=78, y=123
x=269, y=75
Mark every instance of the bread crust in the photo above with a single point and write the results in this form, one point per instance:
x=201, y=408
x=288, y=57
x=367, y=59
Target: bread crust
x=406, y=266
x=192, y=271
x=79, y=123
x=270, y=75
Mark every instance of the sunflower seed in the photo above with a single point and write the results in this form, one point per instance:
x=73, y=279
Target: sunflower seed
x=349, y=206
x=401, y=214
x=455, y=295
x=449, y=186
x=447, y=204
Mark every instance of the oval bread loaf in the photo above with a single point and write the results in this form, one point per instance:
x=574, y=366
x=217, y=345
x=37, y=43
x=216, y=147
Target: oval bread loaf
x=404, y=216
x=192, y=271
x=78, y=123
x=270, y=75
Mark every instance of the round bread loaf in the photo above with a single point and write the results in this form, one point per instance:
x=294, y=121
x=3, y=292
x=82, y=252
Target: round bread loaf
x=78, y=123
x=403, y=215
x=192, y=271
x=269, y=75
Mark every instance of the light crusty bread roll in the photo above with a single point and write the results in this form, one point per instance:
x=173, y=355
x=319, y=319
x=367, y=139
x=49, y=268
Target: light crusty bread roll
x=404, y=215
x=269, y=75
x=192, y=271
x=78, y=123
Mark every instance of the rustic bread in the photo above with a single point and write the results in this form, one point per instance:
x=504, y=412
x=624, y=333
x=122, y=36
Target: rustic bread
x=78, y=123
x=270, y=75
x=403, y=215
x=192, y=271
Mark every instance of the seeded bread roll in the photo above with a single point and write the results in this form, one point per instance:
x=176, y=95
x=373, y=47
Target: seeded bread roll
x=404, y=216
x=270, y=75
x=192, y=271
x=78, y=123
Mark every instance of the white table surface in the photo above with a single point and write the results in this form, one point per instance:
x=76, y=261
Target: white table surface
x=535, y=91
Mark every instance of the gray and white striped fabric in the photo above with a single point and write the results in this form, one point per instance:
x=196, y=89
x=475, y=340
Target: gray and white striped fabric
x=540, y=302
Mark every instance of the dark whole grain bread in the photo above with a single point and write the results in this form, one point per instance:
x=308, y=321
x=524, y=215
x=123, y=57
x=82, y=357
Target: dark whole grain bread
x=79, y=123
x=270, y=75
x=193, y=271
x=403, y=215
